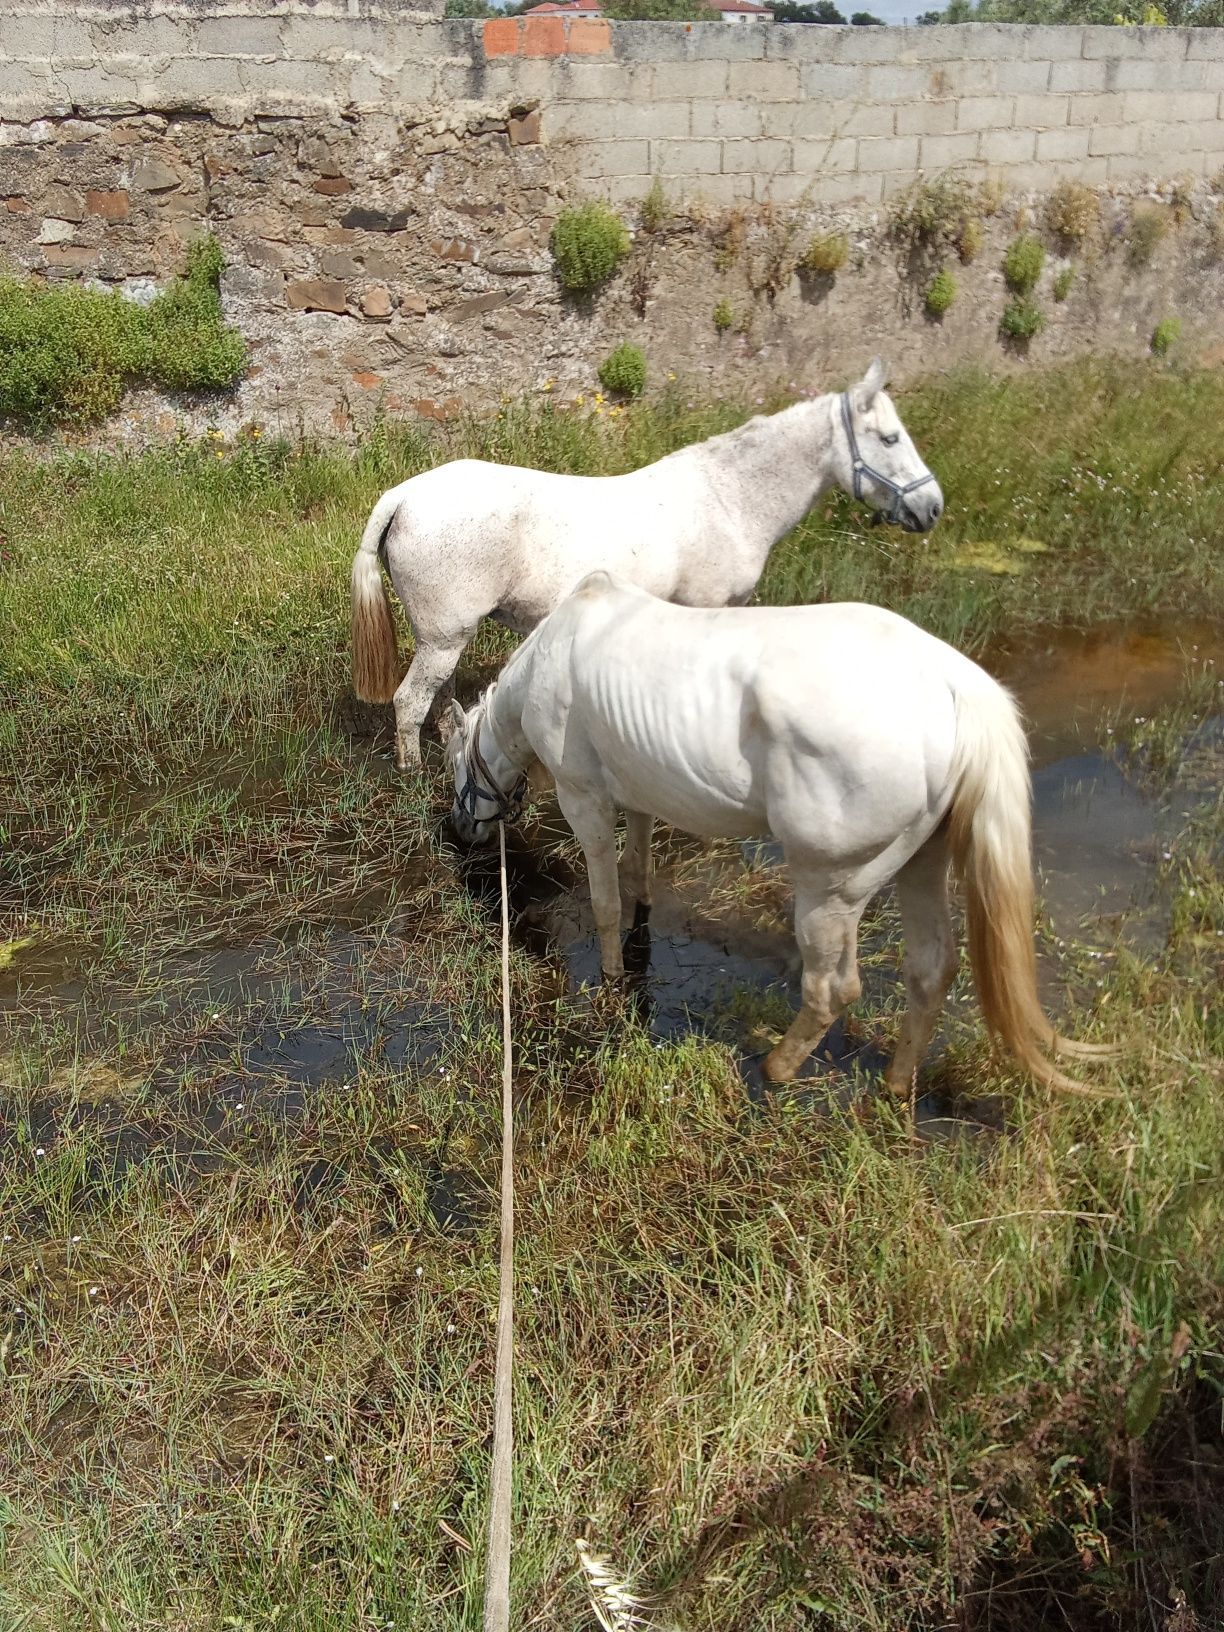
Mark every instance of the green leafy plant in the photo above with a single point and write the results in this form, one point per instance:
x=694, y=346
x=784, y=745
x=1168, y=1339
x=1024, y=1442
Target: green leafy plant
x=654, y=210
x=944, y=211
x=1022, y=319
x=1166, y=334
x=1023, y=263
x=940, y=293
x=825, y=254
x=1147, y=228
x=724, y=316
x=624, y=371
x=1063, y=283
x=67, y=354
x=1073, y=212
x=589, y=241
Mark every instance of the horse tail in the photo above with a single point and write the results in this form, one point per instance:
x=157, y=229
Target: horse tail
x=377, y=670
x=990, y=828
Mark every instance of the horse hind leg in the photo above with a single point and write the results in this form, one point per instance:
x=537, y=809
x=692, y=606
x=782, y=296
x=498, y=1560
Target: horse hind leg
x=930, y=961
x=430, y=672
x=827, y=934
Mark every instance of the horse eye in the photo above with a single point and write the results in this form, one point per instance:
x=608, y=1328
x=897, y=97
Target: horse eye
x=891, y=441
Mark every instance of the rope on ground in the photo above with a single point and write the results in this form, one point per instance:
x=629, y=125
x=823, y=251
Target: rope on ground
x=497, y=1566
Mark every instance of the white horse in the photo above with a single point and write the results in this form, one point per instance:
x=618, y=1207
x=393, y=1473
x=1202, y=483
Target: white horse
x=870, y=749
x=471, y=539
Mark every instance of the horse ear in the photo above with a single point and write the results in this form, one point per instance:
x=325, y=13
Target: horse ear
x=459, y=718
x=874, y=381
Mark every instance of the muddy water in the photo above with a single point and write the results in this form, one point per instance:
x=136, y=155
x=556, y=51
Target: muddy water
x=349, y=994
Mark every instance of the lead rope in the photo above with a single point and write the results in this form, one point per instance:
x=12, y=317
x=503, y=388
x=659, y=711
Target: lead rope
x=497, y=1565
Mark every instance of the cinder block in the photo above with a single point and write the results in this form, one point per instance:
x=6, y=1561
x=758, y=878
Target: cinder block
x=1169, y=106
x=813, y=117
x=763, y=81
x=1104, y=141
x=896, y=84
x=672, y=158
x=1007, y=146
x=867, y=120
x=579, y=81
x=240, y=37
x=770, y=156
x=145, y=39
x=926, y=118
x=1136, y=74
x=1205, y=44
x=1022, y=78
x=1205, y=135
x=675, y=80
x=1109, y=109
x=1050, y=43
x=743, y=119
x=625, y=189
x=629, y=121
x=837, y=154
x=1069, y=143
x=984, y=113
x=839, y=80
x=941, y=152
x=31, y=38
x=972, y=77
x=888, y=153
x=847, y=188
x=1045, y=112
x=721, y=192
x=613, y=158
x=1153, y=44
x=1078, y=76
x=1153, y=167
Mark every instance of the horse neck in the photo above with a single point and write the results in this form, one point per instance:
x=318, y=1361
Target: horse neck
x=772, y=470
x=502, y=723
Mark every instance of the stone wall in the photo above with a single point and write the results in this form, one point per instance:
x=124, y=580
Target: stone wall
x=384, y=183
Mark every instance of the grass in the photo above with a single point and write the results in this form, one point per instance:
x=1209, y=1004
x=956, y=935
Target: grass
x=785, y=1366
x=67, y=354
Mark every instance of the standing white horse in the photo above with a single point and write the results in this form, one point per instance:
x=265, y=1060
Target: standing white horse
x=471, y=539
x=870, y=749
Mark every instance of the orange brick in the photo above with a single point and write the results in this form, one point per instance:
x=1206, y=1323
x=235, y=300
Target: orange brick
x=588, y=36
x=544, y=36
x=501, y=37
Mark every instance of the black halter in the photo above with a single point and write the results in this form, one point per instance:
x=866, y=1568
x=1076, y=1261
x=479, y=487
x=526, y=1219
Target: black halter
x=896, y=514
x=507, y=806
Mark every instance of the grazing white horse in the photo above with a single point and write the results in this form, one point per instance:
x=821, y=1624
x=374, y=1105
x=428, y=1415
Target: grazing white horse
x=870, y=749
x=471, y=539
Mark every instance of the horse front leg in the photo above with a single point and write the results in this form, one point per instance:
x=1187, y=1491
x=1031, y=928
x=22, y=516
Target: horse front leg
x=637, y=864
x=592, y=818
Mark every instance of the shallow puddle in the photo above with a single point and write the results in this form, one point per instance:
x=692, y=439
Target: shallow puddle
x=259, y=1023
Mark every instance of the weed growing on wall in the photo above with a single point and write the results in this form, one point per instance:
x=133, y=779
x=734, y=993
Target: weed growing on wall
x=1165, y=335
x=1147, y=228
x=1023, y=263
x=940, y=294
x=1073, y=212
x=724, y=316
x=969, y=240
x=1022, y=319
x=67, y=354
x=654, y=210
x=589, y=242
x=1063, y=283
x=825, y=254
x=624, y=371
x=942, y=212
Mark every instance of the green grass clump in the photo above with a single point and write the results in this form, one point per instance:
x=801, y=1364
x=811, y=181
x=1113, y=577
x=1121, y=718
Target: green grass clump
x=589, y=241
x=1147, y=229
x=1165, y=335
x=825, y=254
x=624, y=370
x=1022, y=319
x=941, y=292
x=1023, y=263
x=67, y=354
x=1063, y=283
x=724, y=316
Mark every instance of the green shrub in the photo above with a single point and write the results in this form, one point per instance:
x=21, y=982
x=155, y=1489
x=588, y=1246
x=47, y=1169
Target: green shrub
x=624, y=371
x=588, y=243
x=1166, y=333
x=1023, y=263
x=826, y=254
x=654, y=211
x=1147, y=228
x=1022, y=319
x=724, y=316
x=941, y=293
x=1073, y=212
x=1063, y=283
x=67, y=353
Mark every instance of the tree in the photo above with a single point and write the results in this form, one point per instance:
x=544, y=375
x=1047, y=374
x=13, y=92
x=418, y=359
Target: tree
x=865, y=19
x=658, y=11
x=791, y=11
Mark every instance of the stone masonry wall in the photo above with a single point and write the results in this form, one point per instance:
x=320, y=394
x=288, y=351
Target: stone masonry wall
x=384, y=183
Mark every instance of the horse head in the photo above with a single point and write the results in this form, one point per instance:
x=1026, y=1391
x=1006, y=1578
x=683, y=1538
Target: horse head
x=879, y=463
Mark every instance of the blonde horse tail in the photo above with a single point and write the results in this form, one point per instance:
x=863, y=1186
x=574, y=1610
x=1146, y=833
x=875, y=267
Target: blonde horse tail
x=376, y=662
x=990, y=828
